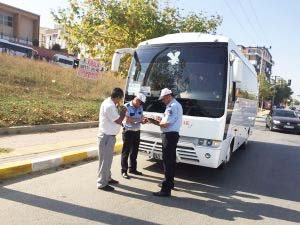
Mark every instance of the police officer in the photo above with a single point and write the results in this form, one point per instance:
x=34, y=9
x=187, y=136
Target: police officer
x=131, y=134
x=170, y=125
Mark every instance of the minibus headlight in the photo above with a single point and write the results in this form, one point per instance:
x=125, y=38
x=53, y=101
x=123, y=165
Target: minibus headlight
x=199, y=141
x=276, y=121
x=216, y=144
x=207, y=142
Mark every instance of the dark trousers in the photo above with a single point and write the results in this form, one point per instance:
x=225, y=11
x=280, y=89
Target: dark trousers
x=131, y=142
x=169, y=145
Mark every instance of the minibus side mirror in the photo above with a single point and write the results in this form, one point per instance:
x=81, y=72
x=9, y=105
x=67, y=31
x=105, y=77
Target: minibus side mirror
x=118, y=55
x=237, y=70
x=115, y=64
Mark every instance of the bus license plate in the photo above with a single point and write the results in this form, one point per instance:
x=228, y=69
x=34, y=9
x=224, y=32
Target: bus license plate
x=289, y=127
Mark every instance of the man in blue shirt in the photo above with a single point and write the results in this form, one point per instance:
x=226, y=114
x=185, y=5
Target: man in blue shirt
x=131, y=134
x=170, y=125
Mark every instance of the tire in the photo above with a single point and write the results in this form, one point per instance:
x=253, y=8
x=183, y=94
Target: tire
x=222, y=166
x=271, y=127
x=244, y=145
x=225, y=163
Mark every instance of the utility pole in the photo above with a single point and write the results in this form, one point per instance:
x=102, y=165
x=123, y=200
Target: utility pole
x=275, y=84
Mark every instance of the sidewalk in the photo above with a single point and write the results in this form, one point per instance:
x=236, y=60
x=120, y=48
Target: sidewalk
x=263, y=113
x=30, y=144
x=34, y=152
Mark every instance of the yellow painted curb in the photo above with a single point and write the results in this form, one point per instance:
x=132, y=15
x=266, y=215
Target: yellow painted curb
x=118, y=148
x=71, y=157
x=8, y=170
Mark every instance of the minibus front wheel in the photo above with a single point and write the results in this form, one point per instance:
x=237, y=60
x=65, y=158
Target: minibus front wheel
x=228, y=156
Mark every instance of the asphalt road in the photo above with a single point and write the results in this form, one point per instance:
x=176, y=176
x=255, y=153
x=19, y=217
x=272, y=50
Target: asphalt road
x=259, y=186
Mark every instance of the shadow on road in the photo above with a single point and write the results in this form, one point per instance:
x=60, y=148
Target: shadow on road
x=68, y=208
x=225, y=207
x=263, y=169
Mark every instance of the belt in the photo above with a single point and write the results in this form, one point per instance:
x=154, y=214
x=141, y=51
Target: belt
x=131, y=129
x=171, y=132
x=113, y=135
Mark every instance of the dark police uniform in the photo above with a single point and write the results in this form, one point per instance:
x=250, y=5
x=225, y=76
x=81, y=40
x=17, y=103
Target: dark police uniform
x=131, y=138
x=170, y=137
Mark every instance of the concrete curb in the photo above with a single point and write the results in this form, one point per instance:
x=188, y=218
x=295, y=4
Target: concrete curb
x=8, y=170
x=47, y=128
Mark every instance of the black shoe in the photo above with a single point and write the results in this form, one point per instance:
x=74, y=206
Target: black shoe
x=125, y=175
x=106, y=188
x=112, y=181
x=160, y=185
x=135, y=172
x=162, y=194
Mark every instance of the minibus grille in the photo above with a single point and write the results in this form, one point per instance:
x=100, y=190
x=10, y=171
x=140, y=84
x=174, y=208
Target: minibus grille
x=185, y=153
x=147, y=145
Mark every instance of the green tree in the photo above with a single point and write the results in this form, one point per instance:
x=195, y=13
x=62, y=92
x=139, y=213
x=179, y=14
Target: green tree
x=265, y=90
x=56, y=47
x=282, y=94
x=114, y=24
x=35, y=42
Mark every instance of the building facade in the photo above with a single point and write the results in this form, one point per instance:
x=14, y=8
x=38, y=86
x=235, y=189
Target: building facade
x=261, y=59
x=50, y=37
x=19, y=26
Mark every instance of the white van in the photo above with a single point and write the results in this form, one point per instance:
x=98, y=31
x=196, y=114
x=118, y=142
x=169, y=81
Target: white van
x=64, y=61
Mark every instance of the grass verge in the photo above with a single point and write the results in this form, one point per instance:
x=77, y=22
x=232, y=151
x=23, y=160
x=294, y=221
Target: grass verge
x=5, y=150
x=35, y=92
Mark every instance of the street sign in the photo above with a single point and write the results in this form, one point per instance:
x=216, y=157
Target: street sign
x=89, y=69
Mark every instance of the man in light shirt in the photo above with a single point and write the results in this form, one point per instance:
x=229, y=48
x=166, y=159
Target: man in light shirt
x=110, y=121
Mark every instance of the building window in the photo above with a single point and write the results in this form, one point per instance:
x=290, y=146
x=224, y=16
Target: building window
x=1, y=19
x=8, y=21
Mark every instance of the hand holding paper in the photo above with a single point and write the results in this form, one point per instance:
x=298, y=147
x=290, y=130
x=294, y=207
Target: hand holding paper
x=154, y=121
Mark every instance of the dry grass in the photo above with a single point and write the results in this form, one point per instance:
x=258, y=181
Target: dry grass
x=5, y=150
x=35, y=92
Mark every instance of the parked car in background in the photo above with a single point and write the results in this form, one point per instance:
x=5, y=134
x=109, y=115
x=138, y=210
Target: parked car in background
x=284, y=120
x=297, y=113
x=64, y=61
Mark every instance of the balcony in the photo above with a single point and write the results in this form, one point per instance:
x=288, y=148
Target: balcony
x=15, y=40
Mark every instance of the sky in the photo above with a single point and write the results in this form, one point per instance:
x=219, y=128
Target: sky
x=247, y=22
